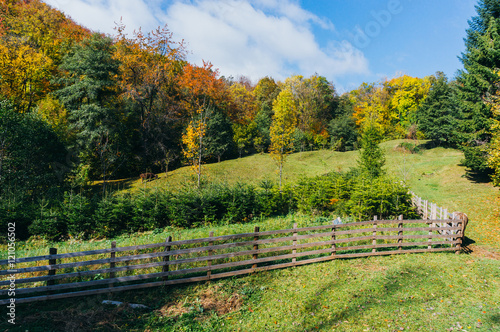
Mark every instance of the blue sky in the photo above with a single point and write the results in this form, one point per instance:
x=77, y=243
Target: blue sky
x=347, y=41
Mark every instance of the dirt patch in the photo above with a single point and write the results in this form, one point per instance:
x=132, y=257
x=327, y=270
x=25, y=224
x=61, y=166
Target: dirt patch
x=210, y=300
x=362, y=266
x=479, y=251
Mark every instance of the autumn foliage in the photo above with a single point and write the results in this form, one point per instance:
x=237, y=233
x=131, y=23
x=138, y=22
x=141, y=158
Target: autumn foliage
x=153, y=108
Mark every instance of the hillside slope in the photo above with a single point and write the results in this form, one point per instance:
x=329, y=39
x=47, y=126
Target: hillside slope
x=424, y=292
x=434, y=174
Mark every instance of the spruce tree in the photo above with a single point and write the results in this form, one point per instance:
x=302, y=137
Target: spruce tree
x=480, y=59
x=435, y=114
x=372, y=158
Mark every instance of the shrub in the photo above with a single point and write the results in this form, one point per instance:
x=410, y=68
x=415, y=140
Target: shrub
x=76, y=210
x=353, y=194
x=15, y=210
x=112, y=216
x=149, y=210
x=409, y=147
x=48, y=224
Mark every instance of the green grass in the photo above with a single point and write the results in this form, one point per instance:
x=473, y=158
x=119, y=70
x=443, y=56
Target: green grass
x=434, y=174
x=427, y=292
x=419, y=292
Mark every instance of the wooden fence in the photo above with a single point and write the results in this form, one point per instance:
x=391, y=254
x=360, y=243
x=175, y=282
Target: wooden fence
x=171, y=262
x=429, y=210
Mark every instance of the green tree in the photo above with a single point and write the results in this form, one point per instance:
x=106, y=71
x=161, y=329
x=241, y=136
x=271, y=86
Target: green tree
x=219, y=138
x=342, y=128
x=30, y=154
x=343, y=133
x=89, y=94
x=480, y=59
x=372, y=158
x=263, y=121
x=282, y=129
x=435, y=114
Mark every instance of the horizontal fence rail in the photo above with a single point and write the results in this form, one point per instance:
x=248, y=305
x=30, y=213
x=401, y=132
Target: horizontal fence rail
x=429, y=210
x=57, y=276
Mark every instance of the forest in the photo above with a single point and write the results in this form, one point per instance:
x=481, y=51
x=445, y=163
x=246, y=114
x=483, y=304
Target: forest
x=79, y=107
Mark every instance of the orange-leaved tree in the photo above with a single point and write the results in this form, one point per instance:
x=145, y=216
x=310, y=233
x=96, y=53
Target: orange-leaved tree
x=150, y=64
x=203, y=92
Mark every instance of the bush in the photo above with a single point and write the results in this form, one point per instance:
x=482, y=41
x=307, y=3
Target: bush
x=149, y=210
x=409, y=147
x=323, y=194
x=15, y=210
x=382, y=197
x=112, y=216
x=77, y=213
x=49, y=223
x=352, y=194
x=342, y=194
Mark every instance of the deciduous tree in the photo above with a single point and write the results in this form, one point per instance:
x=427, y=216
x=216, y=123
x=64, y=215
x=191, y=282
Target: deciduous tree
x=150, y=65
x=282, y=129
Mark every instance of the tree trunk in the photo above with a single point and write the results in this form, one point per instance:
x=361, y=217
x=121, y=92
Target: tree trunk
x=281, y=173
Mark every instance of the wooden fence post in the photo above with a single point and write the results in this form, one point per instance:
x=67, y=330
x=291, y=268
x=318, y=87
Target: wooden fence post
x=434, y=213
x=255, y=246
x=400, y=232
x=166, y=258
x=445, y=212
x=374, y=241
x=458, y=246
x=429, y=246
x=334, y=248
x=52, y=272
x=426, y=212
x=453, y=224
x=294, y=251
x=112, y=264
x=210, y=252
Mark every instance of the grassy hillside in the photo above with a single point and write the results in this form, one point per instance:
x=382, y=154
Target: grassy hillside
x=434, y=174
x=419, y=292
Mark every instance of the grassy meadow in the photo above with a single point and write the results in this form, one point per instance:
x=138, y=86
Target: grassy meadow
x=419, y=292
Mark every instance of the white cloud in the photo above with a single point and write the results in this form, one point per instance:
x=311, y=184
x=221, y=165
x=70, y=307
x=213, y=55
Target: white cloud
x=255, y=38
x=101, y=15
x=260, y=38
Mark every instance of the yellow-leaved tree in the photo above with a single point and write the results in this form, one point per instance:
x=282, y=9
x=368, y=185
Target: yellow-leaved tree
x=192, y=140
x=282, y=128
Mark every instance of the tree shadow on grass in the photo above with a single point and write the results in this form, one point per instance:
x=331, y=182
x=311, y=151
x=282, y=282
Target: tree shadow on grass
x=477, y=177
x=114, y=185
x=368, y=296
x=495, y=319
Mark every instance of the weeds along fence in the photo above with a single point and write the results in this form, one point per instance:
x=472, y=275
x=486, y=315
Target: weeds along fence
x=116, y=269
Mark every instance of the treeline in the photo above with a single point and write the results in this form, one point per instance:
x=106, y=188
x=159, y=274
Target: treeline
x=119, y=106
x=123, y=105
